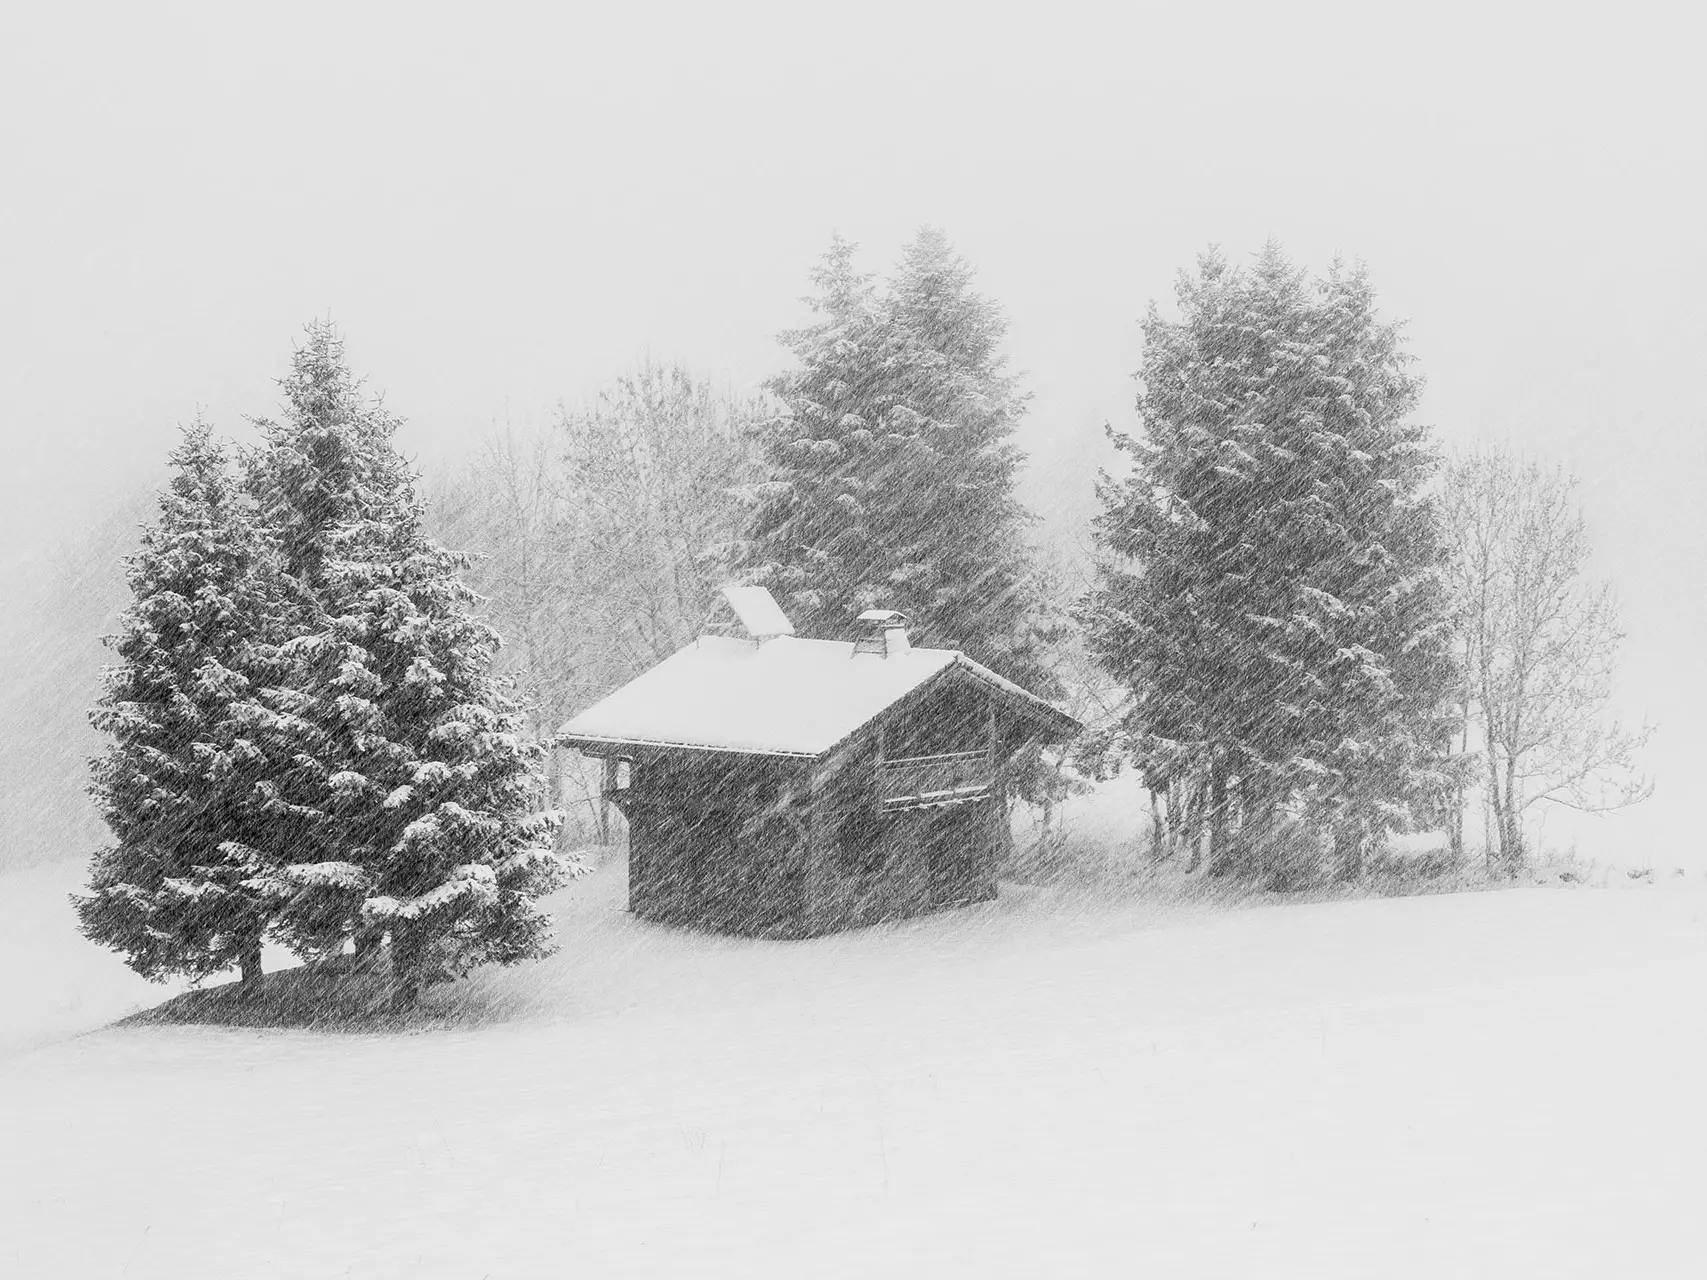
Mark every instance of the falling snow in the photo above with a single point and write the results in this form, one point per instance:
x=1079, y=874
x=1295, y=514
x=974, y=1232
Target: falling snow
x=1107, y=736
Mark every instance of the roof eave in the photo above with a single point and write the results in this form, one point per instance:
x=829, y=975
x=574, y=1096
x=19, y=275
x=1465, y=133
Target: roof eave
x=599, y=745
x=1058, y=726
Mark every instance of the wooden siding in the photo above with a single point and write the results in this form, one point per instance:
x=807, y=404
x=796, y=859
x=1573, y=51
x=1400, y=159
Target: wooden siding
x=757, y=846
x=713, y=843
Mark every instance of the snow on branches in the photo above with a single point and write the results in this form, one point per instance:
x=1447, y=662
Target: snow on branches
x=1272, y=593
x=306, y=722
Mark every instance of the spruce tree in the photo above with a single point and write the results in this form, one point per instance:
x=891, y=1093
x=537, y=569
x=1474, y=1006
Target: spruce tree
x=326, y=464
x=1272, y=597
x=196, y=730
x=418, y=795
x=329, y=461
x=814, y=537
x=439, y=792
x=892, y=466
x=958, y=527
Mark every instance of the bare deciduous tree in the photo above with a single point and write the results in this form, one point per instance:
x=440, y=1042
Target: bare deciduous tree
x=650, y=467
x=593, y=535
x=508, y=505
x=1540, y=642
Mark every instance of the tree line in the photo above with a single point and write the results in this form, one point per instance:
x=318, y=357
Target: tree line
x=1305, y=627
x=1310, y=609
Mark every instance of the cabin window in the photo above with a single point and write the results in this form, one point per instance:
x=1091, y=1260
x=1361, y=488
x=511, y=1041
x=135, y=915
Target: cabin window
x=619, y=775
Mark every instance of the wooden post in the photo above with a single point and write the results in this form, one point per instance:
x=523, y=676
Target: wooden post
x=1001, y=818
x=605, y=788
x=554, y=797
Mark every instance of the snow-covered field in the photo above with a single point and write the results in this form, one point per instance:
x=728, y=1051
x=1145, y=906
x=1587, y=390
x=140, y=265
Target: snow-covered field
x=1500, y=1084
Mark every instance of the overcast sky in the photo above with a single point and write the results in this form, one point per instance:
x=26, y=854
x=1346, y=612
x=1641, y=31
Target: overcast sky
x=505, y=207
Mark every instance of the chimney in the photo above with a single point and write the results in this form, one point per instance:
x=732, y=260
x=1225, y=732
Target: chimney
x=885, y=633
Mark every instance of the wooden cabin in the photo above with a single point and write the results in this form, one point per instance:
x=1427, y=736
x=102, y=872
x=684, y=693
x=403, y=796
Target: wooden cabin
x=786, y=787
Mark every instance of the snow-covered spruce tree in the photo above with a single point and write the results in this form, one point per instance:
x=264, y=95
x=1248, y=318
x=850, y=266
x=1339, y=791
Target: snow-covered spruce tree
x=196, y=732
x=415, y=798
x=1273, y=596
x=326, y=463
x=958, y=526
x=813, y=537
x=437, y=791
x=329, y=461
x=891, y=466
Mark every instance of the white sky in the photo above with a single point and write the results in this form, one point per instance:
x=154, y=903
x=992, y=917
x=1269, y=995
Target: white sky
x=505, y=207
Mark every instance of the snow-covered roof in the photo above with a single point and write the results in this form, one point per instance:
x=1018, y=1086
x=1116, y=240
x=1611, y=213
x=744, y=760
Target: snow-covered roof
x=785, y=697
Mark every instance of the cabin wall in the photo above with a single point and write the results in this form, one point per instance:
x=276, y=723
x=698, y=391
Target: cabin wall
x=866, y=866
x=965, y=846
x=713, y=845
x=709, y=848
x=948, y=715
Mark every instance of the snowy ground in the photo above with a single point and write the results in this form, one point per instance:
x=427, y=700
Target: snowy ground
x=61, y=986
x=1502, y=1084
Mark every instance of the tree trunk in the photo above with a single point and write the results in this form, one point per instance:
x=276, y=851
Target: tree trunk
x=369, y=943
x=408, y=962
x=1258, y=819
x=1495, y=801
x=1187, y=793
x=1513, y=840
x=1349, y=847
x=249, y=966
x=1458, y=796
x=1159, y=841
x=1221, y=859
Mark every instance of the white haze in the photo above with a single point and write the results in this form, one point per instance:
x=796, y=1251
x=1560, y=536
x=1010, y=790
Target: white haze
x=505, y=207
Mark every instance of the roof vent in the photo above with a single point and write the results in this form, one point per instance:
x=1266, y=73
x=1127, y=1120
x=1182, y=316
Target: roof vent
x=760, y=615
x=885, y=633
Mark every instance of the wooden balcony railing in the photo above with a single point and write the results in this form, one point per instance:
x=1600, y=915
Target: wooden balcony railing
x=919, y=782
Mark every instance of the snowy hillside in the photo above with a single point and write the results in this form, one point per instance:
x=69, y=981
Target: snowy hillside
x=1497, y=1084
